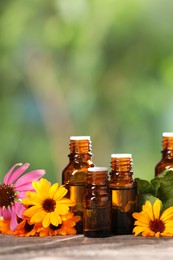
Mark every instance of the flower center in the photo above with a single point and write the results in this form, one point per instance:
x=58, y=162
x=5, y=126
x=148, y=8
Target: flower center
x=28, y=227
x=49, y=205
x=157, y=225
x=7, y=195
x=52, y=227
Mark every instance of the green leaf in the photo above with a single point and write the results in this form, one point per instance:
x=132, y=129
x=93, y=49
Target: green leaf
x=160, y=187
x=143, y=186
x=165, y=172
x=165, y=191
x=168, y=203
x=155, y=186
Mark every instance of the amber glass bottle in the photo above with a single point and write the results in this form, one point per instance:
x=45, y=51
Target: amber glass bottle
x=123, y=194
x=97, y=203
x=74, y=174
x=166, y=161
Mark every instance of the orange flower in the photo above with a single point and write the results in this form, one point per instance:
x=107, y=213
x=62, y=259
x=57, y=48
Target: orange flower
x=66, y=228
x=26, y=229
x=5, y=227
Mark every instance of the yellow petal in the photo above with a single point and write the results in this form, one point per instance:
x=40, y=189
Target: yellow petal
x=168, y=213
x=60, y=193
x=156, y=209
x=53, y=190
x=41, y=186
x=169, y=223
x=167, y=220
x=136, y=215
x=141, y=217
x=33, y=199
x=148, y=209
x=138, y=229
x=32, y=210
x=54, y=220
x=61, y=209
x=157, y=234
x=67, y=216
x=148, y=233
x=165, y=234
x=169, y=230
x=66, y=201
x=138, y=223
x=59, y=219
x=46, y=220
x=38, y=217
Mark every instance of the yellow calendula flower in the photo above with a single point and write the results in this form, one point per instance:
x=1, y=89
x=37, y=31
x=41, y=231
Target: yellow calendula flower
x=47, y=203
x=150, y=222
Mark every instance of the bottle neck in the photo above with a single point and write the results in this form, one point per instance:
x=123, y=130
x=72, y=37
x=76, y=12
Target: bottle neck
x=99, y=178
x=97, y=188
x=121, y=164
x=121, y=171
x=167, y=145
x=80, y=149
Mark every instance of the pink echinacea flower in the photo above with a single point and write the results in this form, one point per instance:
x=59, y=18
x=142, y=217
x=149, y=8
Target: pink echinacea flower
x=13, y=189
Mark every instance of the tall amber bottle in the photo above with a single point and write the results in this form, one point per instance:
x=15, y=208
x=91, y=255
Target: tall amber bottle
x=123, y=194
x=74, y=174
x=97, y=203
x=166, y=161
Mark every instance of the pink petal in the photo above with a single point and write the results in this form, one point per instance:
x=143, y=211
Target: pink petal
x=19, y=209
x=7, y=176
x=16, y=174
x=13, y=222
x=25, y=187
x=6, y=213
x=22, y=194
x=29, y=178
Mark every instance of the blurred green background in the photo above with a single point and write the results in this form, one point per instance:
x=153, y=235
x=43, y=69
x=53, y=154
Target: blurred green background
x=102, y=68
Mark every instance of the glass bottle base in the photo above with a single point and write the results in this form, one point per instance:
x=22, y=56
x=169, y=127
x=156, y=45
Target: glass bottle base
x=122, y=222
x=100, y=233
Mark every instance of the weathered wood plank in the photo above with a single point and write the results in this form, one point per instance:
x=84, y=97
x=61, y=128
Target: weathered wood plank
x=79, y=247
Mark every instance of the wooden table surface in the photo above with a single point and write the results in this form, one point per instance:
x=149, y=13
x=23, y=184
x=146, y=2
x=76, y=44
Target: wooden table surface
x=126, y=247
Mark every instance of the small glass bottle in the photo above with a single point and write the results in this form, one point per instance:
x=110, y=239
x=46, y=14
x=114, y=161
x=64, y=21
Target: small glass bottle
x=123, y=194
x=166, y=161
x=97, y=203
x=74, y=174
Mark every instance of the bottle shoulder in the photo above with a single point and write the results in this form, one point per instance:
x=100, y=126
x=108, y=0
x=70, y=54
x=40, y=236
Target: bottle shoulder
x=76, y=165
x=163, y=165
x=122, y=186
x=75, y=172
x=164, y=161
